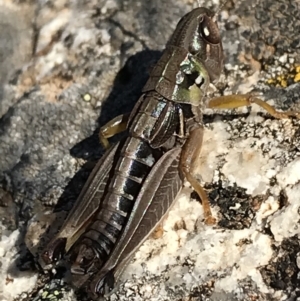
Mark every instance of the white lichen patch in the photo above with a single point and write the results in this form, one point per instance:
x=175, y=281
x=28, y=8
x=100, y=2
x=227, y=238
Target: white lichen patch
x=244, y=167
x=216, y=143
x=12, y=281
x=289, y=175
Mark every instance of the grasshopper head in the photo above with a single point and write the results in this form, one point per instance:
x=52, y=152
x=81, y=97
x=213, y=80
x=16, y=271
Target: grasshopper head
x=199, y=34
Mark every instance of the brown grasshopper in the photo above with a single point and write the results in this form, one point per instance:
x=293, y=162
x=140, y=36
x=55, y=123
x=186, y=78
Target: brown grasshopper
x=135, y=183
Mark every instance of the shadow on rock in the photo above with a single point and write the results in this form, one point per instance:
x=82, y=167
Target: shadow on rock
x=125, y=92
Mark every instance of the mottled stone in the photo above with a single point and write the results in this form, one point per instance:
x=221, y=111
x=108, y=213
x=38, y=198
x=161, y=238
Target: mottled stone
x=90, y=61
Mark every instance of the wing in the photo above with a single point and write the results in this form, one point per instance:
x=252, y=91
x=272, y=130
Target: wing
x=84, y=208
x=155, y=199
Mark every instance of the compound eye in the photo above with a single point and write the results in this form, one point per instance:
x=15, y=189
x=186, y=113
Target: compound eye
x=210, y=31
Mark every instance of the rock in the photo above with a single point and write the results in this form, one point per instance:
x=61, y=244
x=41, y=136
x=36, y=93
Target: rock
x=92, y=56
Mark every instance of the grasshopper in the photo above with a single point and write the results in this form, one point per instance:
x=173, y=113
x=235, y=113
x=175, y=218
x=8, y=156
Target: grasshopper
x=135, y=183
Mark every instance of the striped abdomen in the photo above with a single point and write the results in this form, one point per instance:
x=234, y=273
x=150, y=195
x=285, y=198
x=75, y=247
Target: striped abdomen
x=134, y=164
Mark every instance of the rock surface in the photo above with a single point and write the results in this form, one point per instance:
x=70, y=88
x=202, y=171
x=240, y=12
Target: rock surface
x=65, y=64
